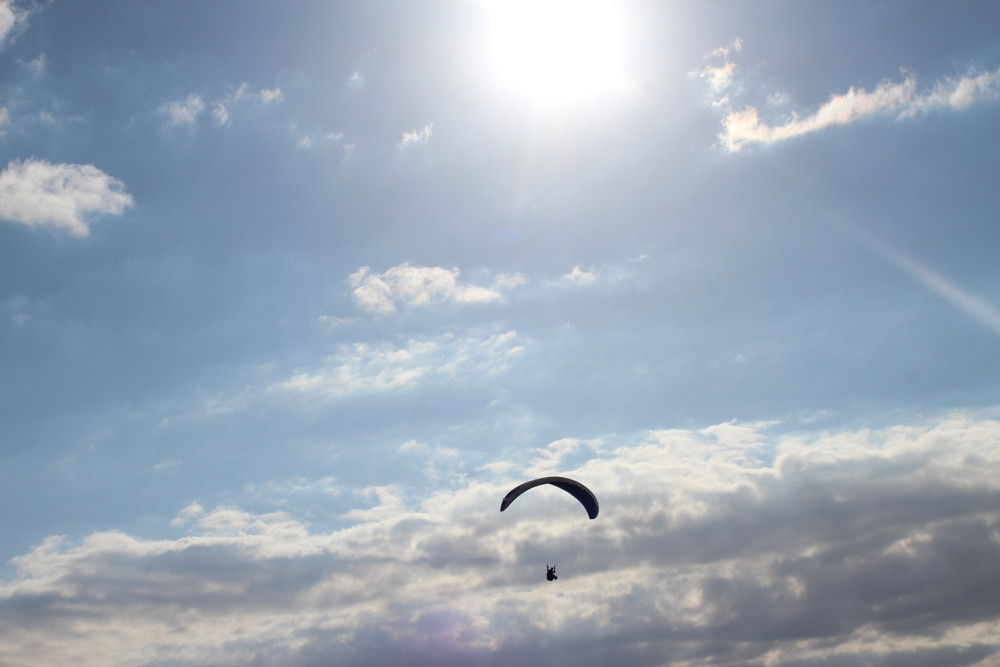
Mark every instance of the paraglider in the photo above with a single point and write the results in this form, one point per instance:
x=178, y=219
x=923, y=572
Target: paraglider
x=571, y=486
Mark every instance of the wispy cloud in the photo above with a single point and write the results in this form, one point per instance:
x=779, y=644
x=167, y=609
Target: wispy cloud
x=60, y=196
x=413, y=286
x=901, y=99
x=311, y=140
x=728, y=544
x=416, y=137
x=365, y=369
x=187, y=111
x=222, y=108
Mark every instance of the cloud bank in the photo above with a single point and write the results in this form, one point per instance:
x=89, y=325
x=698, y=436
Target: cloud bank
x=37, y=193
x=726, y=545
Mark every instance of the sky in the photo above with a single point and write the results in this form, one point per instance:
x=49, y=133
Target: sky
x=292, y=294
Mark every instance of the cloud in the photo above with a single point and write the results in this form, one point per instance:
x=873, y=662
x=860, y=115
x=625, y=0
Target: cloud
x=185, y=112
x=365, y=369
x=36, y=66
x=723, y=51
x=7, y=19
x=416, y=137
x=309, y=140
x=413, y=286
x=356, y=81
x=12, y=18
x=726, y=545
x=720, y=78
x=900, y=99
x=222, y=108
x=269, y=96
x=61, y=196
x=512, y=280
x=580, y=277
x=188, y=110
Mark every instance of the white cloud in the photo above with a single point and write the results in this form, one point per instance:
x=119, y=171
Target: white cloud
x=61, y=196
x=222, y=108
x=36, y=66
x=365, y=369
x=356, y=81
x=416, y=137
x=185, y=112
x=725, y=545
x=580, y=277
x=270, y=96
x=188, y=514
x=7, y=19
x=719, y=77
x=901, y=99
x=507, y=281
x=723, y=51
x=310, y=140
x=413, y=286
x=11, y=18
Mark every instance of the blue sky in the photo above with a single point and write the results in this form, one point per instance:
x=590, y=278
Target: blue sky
x=292, y=293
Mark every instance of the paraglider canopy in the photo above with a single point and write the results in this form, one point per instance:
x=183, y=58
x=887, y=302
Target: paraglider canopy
x=571, y=486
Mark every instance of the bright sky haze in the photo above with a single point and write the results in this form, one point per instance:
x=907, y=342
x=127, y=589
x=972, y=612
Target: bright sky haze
x=293, y=293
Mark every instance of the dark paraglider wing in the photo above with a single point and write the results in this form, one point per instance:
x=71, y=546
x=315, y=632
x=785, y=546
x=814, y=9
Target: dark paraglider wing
x=571, y=486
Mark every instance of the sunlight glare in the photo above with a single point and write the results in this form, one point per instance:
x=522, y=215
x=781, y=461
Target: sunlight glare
x=557, y=51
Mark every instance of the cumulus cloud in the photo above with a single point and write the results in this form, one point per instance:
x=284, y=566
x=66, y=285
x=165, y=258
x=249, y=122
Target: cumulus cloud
x=365, y=369
x=61, y=196
x=413, y=286
x=900, y=99
x=728, y=545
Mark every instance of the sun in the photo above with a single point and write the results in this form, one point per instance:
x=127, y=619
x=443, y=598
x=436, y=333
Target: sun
x=557, y=52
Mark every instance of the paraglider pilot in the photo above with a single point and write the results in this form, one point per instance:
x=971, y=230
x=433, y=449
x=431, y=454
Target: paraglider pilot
x=550, y=572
